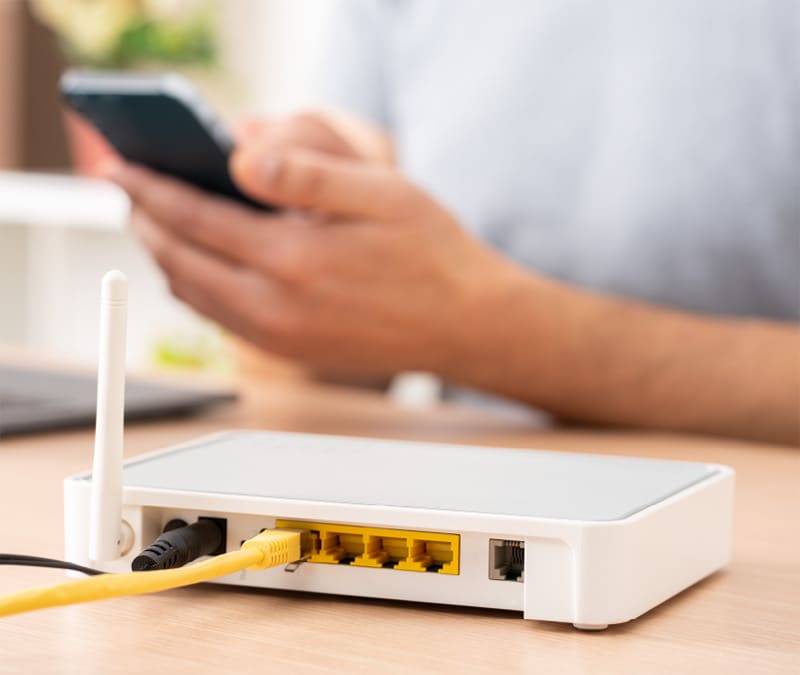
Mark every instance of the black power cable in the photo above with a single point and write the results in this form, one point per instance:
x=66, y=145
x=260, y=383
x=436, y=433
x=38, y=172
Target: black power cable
x=180, y=544
x=38, y=561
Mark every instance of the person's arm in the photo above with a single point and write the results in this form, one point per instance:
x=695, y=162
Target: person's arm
x=594, y=358
x=367, y=274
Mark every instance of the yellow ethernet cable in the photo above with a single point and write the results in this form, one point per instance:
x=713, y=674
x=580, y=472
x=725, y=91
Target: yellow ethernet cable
x=269, y=548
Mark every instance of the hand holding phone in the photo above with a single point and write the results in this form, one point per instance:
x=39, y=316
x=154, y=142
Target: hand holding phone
x=158, y=121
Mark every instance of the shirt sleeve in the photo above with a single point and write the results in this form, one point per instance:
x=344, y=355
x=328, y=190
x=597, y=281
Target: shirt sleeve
x=349, y=70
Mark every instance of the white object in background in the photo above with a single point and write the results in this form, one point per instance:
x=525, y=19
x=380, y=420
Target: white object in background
x=51, y=200
x=272, y=49
x=106, y=514
x=415, y=390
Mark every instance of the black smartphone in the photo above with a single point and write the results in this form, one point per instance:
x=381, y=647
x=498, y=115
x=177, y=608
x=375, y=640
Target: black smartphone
x=158, y=121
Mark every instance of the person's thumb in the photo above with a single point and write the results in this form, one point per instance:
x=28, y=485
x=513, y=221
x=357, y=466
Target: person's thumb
x=300, y=178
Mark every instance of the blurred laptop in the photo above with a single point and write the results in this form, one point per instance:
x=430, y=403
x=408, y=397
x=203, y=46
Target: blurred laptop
x=34, y=400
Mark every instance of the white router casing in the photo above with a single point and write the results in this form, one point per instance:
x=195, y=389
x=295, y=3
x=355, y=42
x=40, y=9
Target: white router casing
x=605, y=538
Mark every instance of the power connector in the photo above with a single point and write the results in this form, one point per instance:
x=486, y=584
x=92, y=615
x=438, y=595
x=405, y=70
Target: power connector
x=180, y=544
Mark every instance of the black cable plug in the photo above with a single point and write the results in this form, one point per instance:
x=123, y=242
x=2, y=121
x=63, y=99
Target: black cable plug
x=180, y=544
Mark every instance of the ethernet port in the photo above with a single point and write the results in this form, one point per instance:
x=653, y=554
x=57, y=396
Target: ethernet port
x=340, y=547
x=351, y=544
x=389, y=551
x=506, y=560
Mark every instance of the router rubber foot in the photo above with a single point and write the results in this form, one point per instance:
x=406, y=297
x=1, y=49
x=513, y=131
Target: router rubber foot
x=590, y=626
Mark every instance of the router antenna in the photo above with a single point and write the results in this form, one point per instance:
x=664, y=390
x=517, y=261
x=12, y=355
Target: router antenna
x=106, y=530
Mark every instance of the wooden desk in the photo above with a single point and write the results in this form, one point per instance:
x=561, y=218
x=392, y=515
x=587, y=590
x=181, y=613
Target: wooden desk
x=745, y=619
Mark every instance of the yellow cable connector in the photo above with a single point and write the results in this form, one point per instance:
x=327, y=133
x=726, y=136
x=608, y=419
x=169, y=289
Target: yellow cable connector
x=270, y=548
x=275, y=548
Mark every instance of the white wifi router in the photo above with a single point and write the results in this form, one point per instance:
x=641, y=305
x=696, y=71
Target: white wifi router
x=585, y=539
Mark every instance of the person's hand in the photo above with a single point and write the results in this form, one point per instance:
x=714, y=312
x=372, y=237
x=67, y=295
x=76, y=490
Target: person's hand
x=330, y=132
x=365, y=274
x=379, y=279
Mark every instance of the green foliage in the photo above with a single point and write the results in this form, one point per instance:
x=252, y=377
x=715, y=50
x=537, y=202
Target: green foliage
x=151, y=42
x=125, y=33
x=168, y=43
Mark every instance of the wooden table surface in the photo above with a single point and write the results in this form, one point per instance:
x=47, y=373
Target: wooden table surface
x=745, y=619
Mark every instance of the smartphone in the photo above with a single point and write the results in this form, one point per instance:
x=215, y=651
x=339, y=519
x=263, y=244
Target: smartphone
x=159, y=121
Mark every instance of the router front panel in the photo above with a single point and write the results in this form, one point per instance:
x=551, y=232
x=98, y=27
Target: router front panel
x=578, y=538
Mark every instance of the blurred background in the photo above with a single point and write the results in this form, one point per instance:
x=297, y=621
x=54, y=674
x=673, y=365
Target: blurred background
x=246, y=56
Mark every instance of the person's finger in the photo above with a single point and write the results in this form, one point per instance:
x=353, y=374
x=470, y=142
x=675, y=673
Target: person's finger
x=304, y=130
x=250, y=129
x=311, y=180
x=234, y=231
x=225, y=293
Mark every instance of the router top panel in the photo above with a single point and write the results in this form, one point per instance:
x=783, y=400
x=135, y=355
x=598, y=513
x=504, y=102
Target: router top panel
x=333, y=469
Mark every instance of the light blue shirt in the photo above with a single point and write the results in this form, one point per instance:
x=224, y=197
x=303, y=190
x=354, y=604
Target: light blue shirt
x=647, y=148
